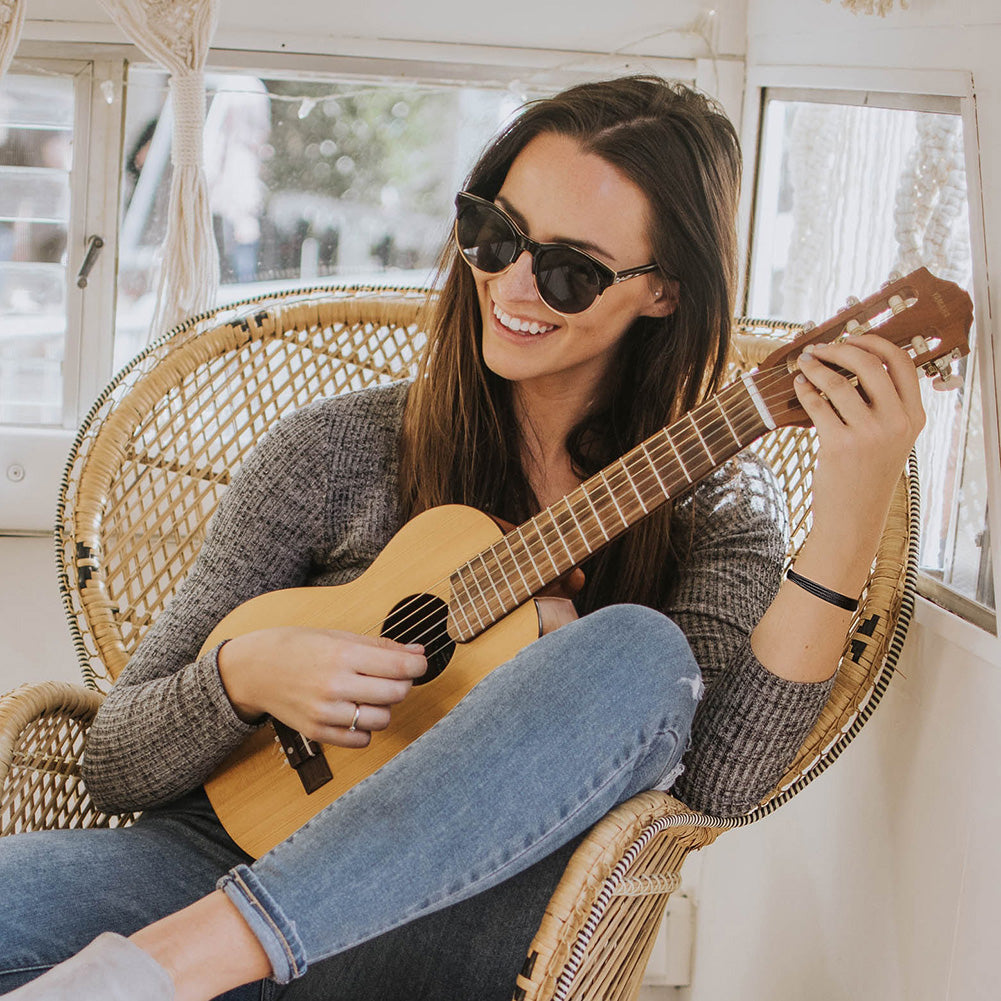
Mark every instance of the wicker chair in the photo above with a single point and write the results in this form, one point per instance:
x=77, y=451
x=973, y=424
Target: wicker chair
x=145, y=473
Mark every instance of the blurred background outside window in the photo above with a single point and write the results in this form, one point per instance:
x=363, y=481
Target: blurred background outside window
x=845, y=196
x=309, y=182
x=36, y=155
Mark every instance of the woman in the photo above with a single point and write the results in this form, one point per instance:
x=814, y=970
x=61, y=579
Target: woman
x=556, y=367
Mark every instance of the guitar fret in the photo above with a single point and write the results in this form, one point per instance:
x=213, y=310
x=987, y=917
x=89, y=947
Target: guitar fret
x=611, y=494
x=562, y=538
x=580, y=530
x=462, y=603
x=490, y=577
x=632, y=483
x=736, y=437
x=597, y=517
x=483, y=597
x=542, y=539
x=656, y=472
x=756, y=398
x=677, y=455
x=531, y=558
x=698, y=432
x=495, y=552
x=514, y=560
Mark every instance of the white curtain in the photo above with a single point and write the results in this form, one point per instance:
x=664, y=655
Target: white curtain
x=11, y=22
x=177, y=34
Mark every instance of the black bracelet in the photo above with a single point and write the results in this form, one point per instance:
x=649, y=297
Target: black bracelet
x=824, y=593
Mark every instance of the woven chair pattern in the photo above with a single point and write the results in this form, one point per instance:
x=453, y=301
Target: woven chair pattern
x=42, y=732
x=145, y=474
x=159, y=448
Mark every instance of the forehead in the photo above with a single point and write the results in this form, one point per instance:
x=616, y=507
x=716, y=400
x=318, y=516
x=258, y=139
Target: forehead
x=564, y=193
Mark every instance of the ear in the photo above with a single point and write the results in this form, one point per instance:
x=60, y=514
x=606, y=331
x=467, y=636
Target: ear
x=665, y=293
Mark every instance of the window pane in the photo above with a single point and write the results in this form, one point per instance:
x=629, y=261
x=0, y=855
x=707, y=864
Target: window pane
x=36, y=136
x=309, y=181
x=846, y=195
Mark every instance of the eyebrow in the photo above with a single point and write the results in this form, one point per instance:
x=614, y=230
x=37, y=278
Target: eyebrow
x=591, y=248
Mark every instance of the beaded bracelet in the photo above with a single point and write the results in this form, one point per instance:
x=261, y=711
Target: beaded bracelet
x=824, y=593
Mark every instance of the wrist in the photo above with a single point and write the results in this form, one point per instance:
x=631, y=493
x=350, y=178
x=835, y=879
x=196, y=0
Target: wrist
x=839, y=562
x=236, y=681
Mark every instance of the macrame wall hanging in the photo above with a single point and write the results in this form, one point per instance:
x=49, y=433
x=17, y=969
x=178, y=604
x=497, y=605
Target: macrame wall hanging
x=11, y=22
x=177, y=35
x=880, y=7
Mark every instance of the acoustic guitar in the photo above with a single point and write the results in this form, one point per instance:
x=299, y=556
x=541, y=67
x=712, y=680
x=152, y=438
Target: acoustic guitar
x=454, y=581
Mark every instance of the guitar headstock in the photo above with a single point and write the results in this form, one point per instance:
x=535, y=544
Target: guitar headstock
x=929, y=317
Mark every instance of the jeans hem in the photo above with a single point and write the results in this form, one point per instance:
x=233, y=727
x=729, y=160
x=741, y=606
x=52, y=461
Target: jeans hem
x=282, y=945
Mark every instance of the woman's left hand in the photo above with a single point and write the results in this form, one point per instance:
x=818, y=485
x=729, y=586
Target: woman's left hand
x=865, y=431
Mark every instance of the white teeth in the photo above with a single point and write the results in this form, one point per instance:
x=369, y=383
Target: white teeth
x=521, y=326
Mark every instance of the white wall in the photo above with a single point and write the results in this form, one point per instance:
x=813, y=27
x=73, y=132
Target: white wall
x=34, y=638
x=880, y=881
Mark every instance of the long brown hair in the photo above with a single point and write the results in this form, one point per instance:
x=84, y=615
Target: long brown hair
x=461, y=441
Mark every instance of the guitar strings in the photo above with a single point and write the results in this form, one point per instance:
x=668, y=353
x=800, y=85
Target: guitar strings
x=694, y=444
x=685, y=446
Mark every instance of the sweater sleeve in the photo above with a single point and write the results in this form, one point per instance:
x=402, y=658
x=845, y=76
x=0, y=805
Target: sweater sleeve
x=750, y=722
x=167, y=722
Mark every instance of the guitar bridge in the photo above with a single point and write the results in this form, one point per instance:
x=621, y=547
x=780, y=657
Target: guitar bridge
x=305, y=756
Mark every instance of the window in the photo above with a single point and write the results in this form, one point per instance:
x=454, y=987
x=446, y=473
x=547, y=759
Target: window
x=309, y=181
x=59, y=136
x=847, y=193
x=313, y=179
x=36, y=151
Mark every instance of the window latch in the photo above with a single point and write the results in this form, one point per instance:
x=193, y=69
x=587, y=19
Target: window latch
x=94, y=246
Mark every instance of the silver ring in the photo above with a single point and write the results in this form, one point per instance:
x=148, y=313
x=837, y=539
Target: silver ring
x=354, y=721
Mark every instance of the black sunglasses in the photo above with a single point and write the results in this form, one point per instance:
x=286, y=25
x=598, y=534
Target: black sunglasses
x=568, y=280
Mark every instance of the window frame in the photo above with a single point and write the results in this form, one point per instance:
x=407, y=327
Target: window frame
x=32, y=457
x=909, y=89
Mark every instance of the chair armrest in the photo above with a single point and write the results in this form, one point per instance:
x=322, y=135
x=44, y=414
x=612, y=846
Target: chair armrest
x=42, y=732
x=635, y=851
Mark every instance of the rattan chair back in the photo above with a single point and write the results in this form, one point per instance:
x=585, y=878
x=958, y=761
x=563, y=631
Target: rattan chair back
x=159, y=447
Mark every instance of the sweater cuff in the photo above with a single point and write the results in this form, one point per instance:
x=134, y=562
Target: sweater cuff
x=746, y=733
x=209, y=681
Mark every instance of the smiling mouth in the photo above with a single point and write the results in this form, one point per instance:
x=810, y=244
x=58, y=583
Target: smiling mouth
x=517, y=326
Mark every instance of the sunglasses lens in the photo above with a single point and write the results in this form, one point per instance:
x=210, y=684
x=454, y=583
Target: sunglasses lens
x=566, y=279
x=485, y=237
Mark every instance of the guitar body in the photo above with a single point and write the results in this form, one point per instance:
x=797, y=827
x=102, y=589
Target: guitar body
x=258, y=796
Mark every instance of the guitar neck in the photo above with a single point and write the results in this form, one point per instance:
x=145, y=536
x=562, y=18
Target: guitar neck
x=537, y=552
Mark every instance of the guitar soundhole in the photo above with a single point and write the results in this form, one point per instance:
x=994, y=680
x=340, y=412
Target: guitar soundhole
x=422, y=618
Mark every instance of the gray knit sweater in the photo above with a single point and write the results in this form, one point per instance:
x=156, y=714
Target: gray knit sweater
x=317, y=501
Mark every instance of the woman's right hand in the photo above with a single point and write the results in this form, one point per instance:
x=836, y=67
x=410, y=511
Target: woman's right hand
x=314, y=679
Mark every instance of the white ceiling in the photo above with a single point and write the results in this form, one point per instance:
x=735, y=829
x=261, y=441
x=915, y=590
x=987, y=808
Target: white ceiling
x=663, y=28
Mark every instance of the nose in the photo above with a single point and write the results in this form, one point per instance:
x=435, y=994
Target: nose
x=517, y=284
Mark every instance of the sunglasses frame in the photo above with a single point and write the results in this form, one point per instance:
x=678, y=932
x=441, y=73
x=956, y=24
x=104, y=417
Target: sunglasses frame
x=606, y=275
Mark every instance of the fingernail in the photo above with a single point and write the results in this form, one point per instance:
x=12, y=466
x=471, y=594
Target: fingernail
x=416, y=647
x=800, y=377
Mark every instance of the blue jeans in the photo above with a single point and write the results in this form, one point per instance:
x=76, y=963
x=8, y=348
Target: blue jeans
x=447, y=855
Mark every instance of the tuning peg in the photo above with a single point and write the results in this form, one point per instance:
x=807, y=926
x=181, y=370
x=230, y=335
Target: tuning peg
x=942, y=376
x=944, y=381
x=893, y=278
x=851, y=302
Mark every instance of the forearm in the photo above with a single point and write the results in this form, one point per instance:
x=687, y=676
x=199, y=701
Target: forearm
x=154, y=741
x=800, y=637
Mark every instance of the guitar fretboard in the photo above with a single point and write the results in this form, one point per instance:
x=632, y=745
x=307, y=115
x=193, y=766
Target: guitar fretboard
x=537, y=552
